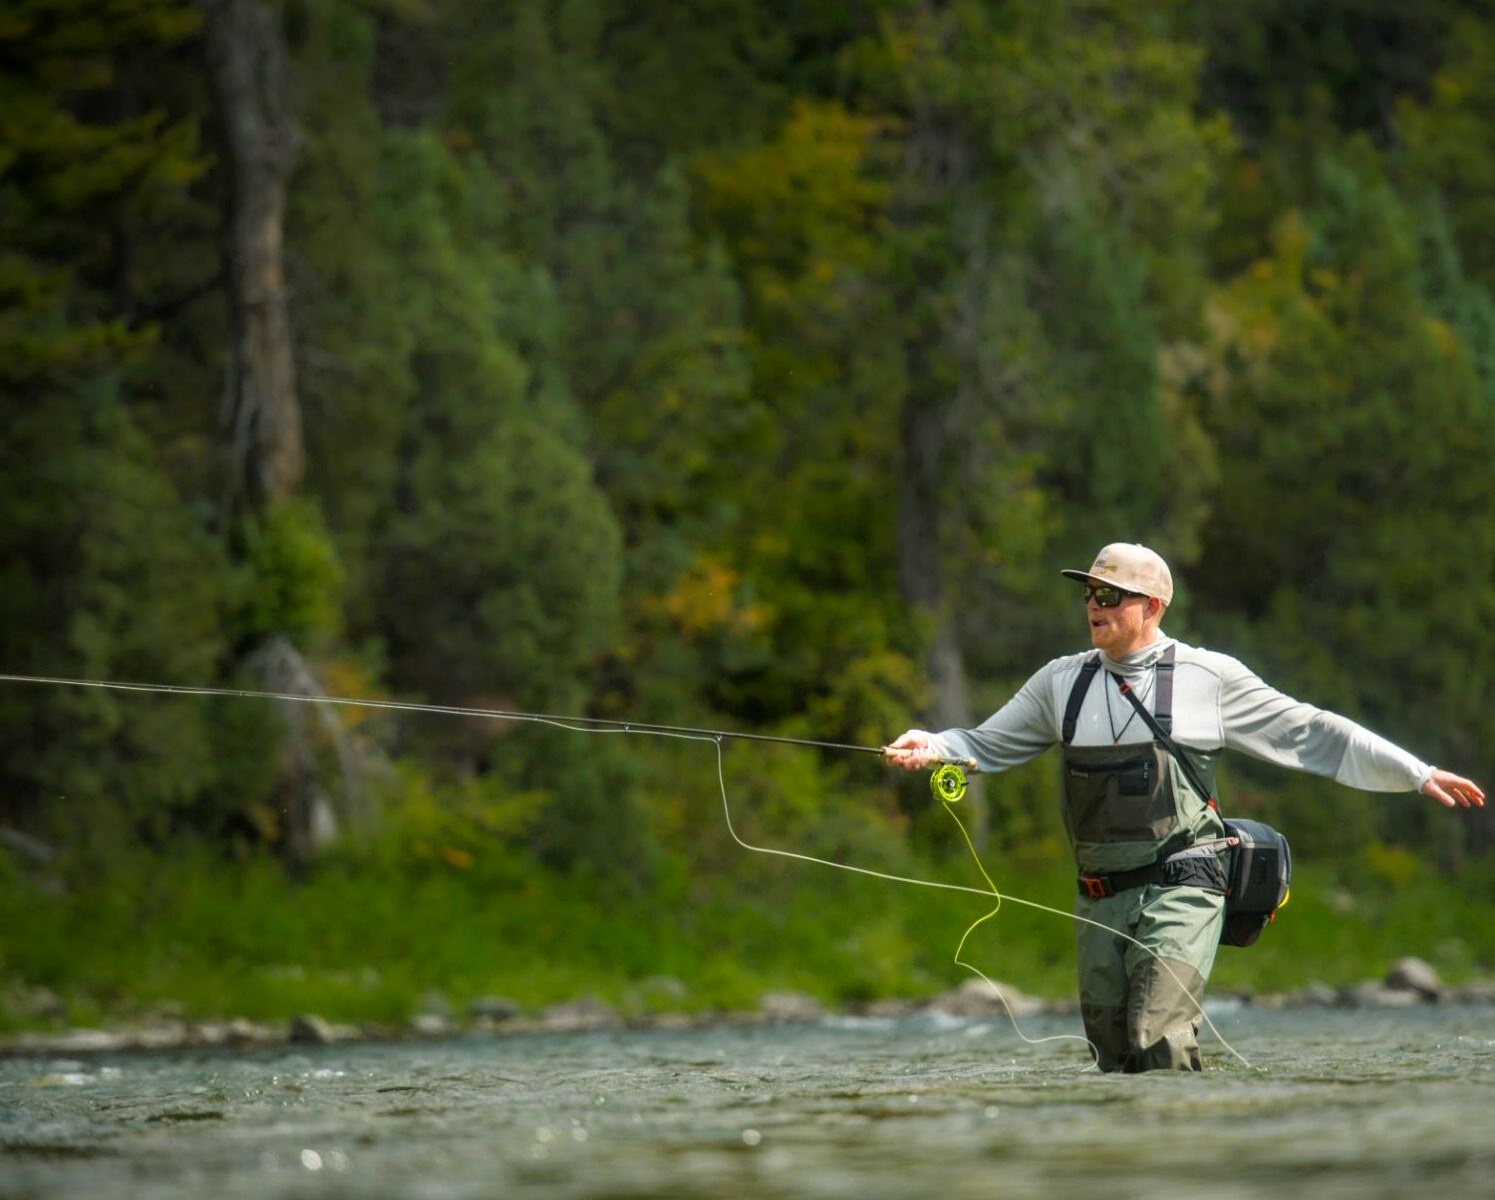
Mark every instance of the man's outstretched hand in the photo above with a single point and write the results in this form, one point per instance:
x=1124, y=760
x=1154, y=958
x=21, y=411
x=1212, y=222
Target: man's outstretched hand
x=1450, y=790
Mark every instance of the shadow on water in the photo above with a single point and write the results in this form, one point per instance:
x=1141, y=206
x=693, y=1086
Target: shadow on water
x=1351, y=1104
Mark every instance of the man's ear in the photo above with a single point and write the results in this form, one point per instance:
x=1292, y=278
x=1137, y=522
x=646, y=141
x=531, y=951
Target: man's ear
x=1155, y=607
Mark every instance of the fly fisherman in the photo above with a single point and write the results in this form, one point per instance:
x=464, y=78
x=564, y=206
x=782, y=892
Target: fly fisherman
x=1142, y=835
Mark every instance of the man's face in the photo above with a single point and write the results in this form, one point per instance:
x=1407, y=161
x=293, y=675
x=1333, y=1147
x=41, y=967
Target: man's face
x=1119, y=630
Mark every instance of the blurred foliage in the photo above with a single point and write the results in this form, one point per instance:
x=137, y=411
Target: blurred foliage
x=612, y=327
x=291, y=580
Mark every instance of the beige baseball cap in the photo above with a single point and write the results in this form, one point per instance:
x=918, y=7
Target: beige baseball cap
x=1132, y=568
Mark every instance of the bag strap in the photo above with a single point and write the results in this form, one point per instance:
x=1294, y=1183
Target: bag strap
x=1186, y=764
x=1077, y=696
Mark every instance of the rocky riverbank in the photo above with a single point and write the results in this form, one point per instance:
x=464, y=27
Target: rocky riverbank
x=1409, y=982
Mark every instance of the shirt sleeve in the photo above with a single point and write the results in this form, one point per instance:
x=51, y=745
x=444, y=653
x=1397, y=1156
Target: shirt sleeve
x=1020, y=730
x=1260, y=721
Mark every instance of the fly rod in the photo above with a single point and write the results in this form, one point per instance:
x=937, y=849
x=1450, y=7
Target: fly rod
x=450, y=710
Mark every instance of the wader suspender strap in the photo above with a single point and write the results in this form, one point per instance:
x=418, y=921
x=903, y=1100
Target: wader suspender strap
x=1077, y=696
x=1156, y=724
x=1162, y=695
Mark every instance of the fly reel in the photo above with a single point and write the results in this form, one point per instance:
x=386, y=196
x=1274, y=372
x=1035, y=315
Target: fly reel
x=948, y=783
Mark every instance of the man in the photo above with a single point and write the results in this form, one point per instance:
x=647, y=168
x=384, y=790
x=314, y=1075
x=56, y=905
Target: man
x=1143, y=836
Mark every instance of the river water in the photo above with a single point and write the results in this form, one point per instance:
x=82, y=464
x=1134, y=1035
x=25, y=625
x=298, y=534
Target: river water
x=1348, y=1103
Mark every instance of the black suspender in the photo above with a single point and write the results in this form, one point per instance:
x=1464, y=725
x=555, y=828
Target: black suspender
x=1077, y=696
x=1162, y=693
x=1160, y=720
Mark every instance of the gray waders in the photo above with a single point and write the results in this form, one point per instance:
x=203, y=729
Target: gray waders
x=1141, y=838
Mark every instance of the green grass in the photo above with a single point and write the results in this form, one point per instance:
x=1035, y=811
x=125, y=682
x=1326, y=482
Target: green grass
x=364, y=940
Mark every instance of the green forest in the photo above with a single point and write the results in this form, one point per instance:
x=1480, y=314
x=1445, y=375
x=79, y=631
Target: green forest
x=747, y=365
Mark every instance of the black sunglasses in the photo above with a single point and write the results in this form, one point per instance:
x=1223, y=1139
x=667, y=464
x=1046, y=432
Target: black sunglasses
x=1107, y=595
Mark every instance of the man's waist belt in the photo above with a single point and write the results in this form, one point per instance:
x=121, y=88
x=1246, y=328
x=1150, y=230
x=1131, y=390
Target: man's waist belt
x=1194, y=866
x=1098, y=887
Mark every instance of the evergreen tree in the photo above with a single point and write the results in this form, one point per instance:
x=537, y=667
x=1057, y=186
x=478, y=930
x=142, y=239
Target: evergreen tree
x=1450, y=146
x=110, y=573
x=501, y=559
x=1349, y=546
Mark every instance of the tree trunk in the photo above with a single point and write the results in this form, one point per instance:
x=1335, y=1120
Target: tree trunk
x=247, y=64
x=262, y=415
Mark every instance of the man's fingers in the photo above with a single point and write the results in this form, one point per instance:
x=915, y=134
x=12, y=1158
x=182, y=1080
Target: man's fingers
x=911, y=752
x=1468, y=794
x=1451, y=789
x=909, y=759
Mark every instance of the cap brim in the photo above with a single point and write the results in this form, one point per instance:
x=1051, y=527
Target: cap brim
x=1083, y=577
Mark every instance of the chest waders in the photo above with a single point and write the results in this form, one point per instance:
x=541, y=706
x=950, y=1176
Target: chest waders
x=1144, y=840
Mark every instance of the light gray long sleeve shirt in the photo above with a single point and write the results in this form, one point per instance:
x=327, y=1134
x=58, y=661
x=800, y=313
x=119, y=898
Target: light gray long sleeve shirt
x=1217, y=703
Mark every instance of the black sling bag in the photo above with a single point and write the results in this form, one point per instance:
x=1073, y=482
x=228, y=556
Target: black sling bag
x=1259, y=865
